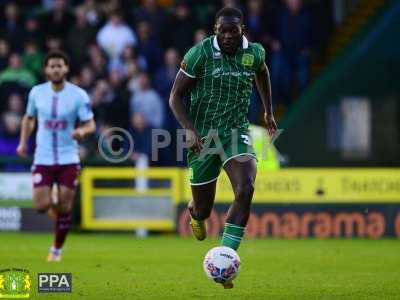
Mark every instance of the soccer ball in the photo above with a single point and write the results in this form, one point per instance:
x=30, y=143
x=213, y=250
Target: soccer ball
x=221, y=264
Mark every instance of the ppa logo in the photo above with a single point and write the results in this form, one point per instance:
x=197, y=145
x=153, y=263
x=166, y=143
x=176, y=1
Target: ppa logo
x=54, y=282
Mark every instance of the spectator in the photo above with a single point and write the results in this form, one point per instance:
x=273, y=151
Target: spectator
x=53, y=43
x=101, y=98
x=32, y=58
x=128, y=55
x=133, y=77
x=115, y=36
x=11, y=26
x=86, y=78
x=147, y=112
x=10, y=124
x=58, y=20
x=109, y=7
x=147, y=102
x=199, y=35
x=255, y=20
x=166, y=74
x=182, y=28
x=15, y=72
x=92, y=12
x=97, y=61
x=32, y=31
x=79, y=36
x=290, y=50
x=4, y=53
x=15, y=104
x=150, y=12
x=164, y=80
x=48, y=4
x=118, y=112
x=231, y=3
x=149, y=47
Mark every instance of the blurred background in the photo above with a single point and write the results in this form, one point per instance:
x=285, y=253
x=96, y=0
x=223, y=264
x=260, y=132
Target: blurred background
x=334, y=70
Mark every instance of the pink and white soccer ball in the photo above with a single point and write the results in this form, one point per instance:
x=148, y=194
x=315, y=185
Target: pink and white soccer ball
x=221, y=264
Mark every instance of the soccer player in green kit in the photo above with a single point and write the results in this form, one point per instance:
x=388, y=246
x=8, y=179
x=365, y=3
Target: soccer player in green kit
x=219, y=74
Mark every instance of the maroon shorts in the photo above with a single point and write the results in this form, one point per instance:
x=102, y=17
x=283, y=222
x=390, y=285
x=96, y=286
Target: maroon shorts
x=66, y=175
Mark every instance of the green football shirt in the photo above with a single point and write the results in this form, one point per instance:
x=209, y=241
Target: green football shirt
x=220, y=98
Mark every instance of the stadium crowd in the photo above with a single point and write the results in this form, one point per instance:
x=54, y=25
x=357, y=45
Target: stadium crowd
x=126, y=54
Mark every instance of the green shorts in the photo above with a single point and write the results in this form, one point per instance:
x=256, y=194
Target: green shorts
x=217, y=151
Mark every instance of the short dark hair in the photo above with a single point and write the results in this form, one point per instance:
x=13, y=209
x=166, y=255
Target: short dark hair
x=229, y=12
x=56, y=54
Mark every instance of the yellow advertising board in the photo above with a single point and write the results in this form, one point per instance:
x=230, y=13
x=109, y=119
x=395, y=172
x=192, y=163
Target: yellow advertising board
x=89, y=192
x=318, y=185
x=285, y=186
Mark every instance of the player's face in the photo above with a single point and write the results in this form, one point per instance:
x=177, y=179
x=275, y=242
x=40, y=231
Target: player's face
x=229, y=33
x=56, y=70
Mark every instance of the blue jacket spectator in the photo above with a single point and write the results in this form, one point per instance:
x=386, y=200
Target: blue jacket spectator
x=290, y=45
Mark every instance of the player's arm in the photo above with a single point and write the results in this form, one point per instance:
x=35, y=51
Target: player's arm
x=28, y=124
x=87, y=125
x=84, y=129
x=27, y=127
x=263, y=84
x=182, y=86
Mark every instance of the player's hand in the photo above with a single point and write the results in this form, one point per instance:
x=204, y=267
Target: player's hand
x=193, y=140
x=78, y=134
x=22, y=150
x=271, y=125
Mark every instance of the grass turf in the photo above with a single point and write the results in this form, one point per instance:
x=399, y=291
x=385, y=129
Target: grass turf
x=167, y=267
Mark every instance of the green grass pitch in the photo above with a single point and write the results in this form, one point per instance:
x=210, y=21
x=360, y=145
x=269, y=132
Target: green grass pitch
x=120, y=266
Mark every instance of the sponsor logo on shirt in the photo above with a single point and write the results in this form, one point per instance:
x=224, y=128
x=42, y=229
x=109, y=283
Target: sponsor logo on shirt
x=218, y=72
x=55, y=124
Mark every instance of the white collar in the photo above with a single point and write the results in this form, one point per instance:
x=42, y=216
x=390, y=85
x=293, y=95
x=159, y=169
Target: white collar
x=245, y=43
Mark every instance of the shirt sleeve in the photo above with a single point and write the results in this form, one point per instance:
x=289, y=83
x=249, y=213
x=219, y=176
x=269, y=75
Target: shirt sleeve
x=31, y=109
x=260, y=56
x=191, y=62
x=85, y=112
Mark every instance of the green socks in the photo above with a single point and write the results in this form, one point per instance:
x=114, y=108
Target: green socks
x=232, y=236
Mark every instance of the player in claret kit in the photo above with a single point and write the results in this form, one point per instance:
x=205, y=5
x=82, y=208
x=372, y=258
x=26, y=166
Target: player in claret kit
x=219, y=73
x=56, y=106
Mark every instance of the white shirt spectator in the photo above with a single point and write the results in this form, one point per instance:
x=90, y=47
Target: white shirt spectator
x=149, y=104
x=115, y=36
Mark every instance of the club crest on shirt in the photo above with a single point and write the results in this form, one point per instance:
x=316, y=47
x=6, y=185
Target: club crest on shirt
x=247, y=60
x=183, y=65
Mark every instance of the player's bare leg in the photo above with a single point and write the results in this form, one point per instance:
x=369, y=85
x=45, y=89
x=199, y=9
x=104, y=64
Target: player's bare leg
x=63, y=221
x=242, y=174
x=52, y=212
x=42, y=202
x=42, y=199
x=200, y=207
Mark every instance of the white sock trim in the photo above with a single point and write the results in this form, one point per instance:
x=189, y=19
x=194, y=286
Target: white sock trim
x=234, y=225
x=55, y=250
x=233, y=237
